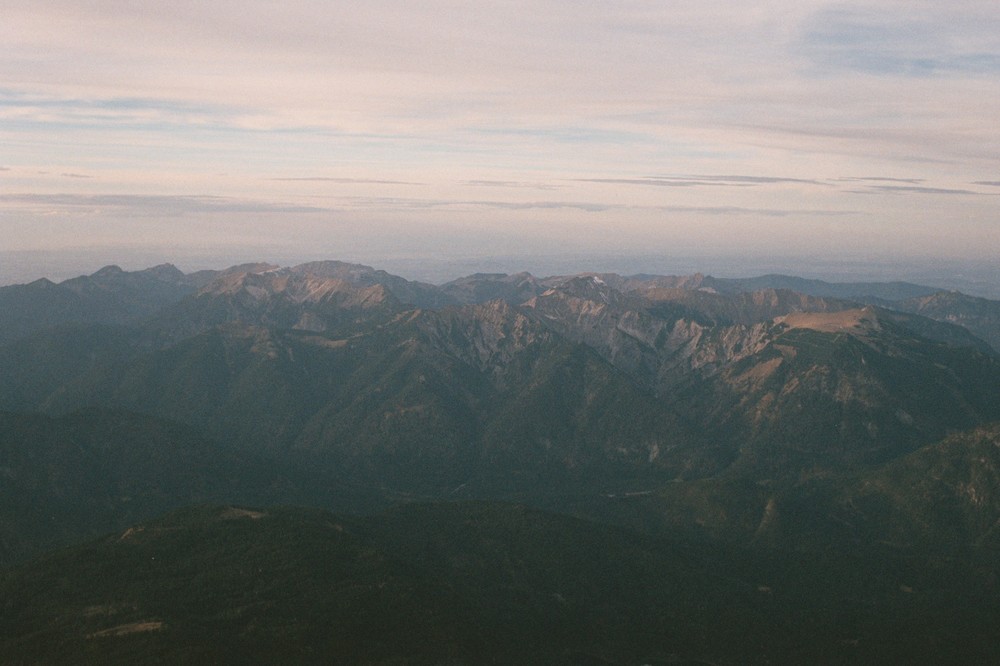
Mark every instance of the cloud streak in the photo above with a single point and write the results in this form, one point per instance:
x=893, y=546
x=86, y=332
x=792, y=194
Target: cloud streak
x=344, y=181
x=593, y=207
x=879, y=179
x=726, y=211
x=901, y=189
x=155, y=204
x=510, y=184
x=703, y=181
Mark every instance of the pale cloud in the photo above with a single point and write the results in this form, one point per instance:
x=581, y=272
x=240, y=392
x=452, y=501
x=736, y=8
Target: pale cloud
x=400, y=203
x=924, y=41
x=900, y=189
x=510, y=183
x=131, y=204
x=706, y=181
x=343, y=181
x=659, y=182
x=431, y=68
x=726, y=211
x=879, y=179
x=211, y=108
x=166, y=206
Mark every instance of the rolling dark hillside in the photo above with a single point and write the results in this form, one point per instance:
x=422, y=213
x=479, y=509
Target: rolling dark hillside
x=943, y=497
x=471, y=584
x=938, y=501
x=429, y=400
x=35, y=368
x=84, y=474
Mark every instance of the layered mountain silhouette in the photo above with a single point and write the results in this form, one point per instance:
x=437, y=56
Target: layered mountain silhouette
x=110, y=295
x=500, y=382
x=748, y=419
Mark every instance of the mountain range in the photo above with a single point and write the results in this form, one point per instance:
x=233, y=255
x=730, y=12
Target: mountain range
x=771, y=417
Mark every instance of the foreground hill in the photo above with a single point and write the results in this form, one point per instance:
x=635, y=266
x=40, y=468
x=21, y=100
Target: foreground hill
x=939, y=501
x=472, y=584
x=93, y=471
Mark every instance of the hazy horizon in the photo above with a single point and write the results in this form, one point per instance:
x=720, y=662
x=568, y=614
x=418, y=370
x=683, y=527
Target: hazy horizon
x=976, y=279
x=796, y=136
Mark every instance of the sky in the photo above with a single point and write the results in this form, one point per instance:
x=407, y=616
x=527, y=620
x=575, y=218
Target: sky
x=400, y=133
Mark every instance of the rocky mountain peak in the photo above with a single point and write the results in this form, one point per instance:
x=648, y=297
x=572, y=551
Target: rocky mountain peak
x=482, y=287
x=857, y=321
x=355, y=273
x=166, y=273
x=108, y=271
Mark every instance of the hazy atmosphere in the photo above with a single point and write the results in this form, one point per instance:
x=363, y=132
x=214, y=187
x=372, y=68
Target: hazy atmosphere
x=815, y=137
x=551, y=332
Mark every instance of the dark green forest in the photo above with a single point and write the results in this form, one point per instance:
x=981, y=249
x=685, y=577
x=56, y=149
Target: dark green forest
x=331, y=464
